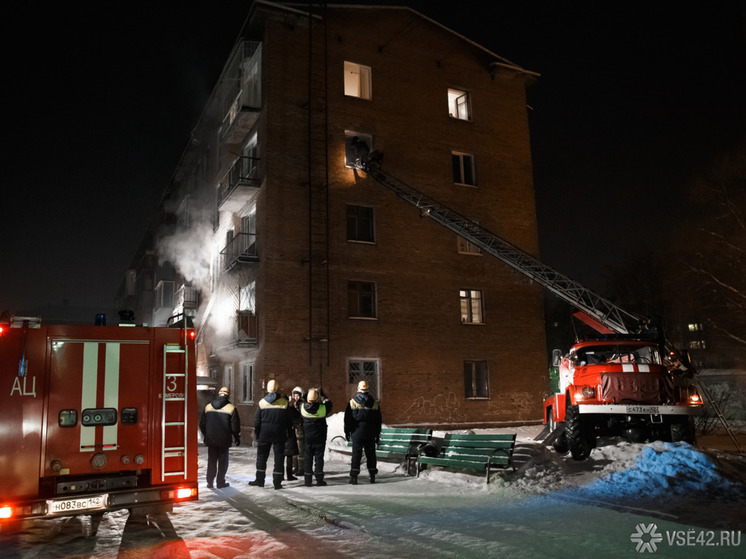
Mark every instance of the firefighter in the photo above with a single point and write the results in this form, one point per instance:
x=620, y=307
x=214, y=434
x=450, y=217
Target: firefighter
x=219, y=424
x=315, y=411
x=362, y=424
x=271, y=427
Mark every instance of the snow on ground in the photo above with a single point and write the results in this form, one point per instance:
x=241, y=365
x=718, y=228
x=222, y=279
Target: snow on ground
x=624, y=498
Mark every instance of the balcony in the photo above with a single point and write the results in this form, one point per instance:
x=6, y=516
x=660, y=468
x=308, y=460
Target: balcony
x=247, y=330
x=239, y=184
x=239, y=121
x=240, y=250
x=186, y=300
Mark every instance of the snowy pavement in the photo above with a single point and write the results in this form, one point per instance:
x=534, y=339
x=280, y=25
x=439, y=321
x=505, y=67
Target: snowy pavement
x=627, y=499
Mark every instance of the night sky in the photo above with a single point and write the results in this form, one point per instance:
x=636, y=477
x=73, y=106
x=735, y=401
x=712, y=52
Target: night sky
x=634, y=98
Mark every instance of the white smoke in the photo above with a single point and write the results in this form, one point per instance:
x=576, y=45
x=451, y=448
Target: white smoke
x=191, y=252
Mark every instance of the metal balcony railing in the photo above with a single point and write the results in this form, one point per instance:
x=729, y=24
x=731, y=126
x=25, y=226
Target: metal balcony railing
x=238, y=183
x=240, y=250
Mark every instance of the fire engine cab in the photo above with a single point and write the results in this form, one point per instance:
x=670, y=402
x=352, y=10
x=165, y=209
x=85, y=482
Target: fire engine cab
x=95, y=419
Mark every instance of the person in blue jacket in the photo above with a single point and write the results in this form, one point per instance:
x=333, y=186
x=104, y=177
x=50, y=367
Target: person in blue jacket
x=314, y=412
x=362, y=424
x=220, y=425
x=271, y=426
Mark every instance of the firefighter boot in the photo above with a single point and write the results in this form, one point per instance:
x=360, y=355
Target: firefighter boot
x=289, y=470
x=353, y=479
x=259, y=481
x=277, y=480
x=308, y=479
x=372, y=475
x=320, y=480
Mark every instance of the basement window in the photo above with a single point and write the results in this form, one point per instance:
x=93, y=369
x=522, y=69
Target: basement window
x=357, y=81
x=367, y=370
x=459, y=104
x=476, y=379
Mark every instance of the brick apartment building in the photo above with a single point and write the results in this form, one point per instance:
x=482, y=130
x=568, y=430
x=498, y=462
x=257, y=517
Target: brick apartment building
x=298, y=267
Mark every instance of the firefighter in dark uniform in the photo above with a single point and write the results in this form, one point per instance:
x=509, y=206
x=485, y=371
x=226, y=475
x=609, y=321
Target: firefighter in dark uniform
x=362, y=424
x=314, y=412
x=271, y=426
x=220, y=425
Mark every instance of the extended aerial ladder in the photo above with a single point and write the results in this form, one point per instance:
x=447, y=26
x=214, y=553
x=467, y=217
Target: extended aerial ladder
x=601, y=313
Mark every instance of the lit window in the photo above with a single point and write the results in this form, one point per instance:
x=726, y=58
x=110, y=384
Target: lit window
x=458, y=104
x=360, y=224
x=357, y=148
x=361, y=297
x=697, y=327
x=471, y=306
x=367, y=370
x=358, y=80
x=463, y=168
x=476, y=379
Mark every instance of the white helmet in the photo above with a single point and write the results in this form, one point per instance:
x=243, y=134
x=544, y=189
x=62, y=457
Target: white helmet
x=272, y=386
x=362, y=386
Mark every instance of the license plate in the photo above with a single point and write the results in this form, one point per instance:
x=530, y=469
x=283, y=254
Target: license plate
x=653, y=410
x=69, y=506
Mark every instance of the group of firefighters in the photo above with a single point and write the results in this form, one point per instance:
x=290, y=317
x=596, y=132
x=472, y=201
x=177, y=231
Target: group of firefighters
x=294, y=429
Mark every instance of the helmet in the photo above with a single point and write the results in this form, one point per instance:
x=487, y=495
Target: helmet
x=224, y=391
x=272, y=386
x=362, y=386
x=297, y=389
x=313, y=395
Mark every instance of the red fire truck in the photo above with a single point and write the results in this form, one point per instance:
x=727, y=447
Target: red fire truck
x=95, y=419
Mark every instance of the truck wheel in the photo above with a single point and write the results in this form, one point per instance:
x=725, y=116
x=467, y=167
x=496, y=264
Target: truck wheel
x=578, y=439
x=560, y=442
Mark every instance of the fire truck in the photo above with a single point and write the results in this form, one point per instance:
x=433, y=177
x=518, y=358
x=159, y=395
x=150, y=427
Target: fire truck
x=637, y=387
x=95, y=418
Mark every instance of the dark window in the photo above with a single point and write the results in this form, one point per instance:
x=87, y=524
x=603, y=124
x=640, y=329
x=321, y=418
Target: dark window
x=360, y=224
x=476, y=379
x=361, y=297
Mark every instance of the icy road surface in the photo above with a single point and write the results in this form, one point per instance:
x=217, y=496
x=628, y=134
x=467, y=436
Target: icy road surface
x=628, y=500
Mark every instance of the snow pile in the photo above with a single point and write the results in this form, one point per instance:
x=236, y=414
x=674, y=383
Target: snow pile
x=663, y=468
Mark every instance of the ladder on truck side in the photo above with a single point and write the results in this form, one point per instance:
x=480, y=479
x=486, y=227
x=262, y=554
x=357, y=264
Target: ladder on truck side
x=598, y=308
x=174, y=416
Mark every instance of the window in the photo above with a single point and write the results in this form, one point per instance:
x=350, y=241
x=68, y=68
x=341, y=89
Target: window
x=247, y=297
x=228, y=376
x=466, y=247
x=696, y=327
x=358, y=80
x=463, y=168
x=476, y=379
x=357, y=148
x=247, y=243
x=367, y=370
x=697, y=344
x=247, y=382
x=361, y=298
x=249, y=159
x=360, y=224
x=164, y=295
x=458, y=104
x=471, y=306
